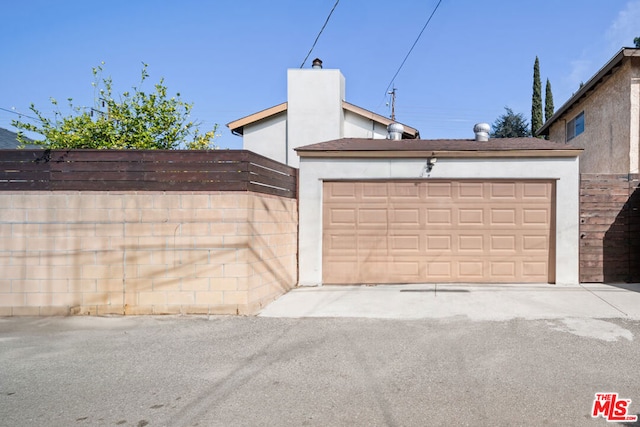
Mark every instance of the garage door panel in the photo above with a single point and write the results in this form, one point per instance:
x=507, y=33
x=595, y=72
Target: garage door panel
x=339, y=272
x=341, y=243
x=372, y=217
x=536, y=190
x=503, y=270
x=536, y=216
x=503, y=243
x=471, y=243
x=404, y=192
x=439, y=231
x=342, y=216
x=440, y=190
x=503, y=190
x=536, y=269
x=537, y=243
x=439, y=270
x=471, y=270
x=503, y=217
x=404, y=269
x=471, y=191
x=471, y=216
x=438, y=216
x=435, y=243
x=404, y=244
x=371, y=272
x=346, y=192
x=370, y=245
x=405, y=217
x=373, y=192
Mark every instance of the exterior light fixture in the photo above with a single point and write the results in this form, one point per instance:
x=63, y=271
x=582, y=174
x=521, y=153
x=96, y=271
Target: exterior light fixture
x=428, y=166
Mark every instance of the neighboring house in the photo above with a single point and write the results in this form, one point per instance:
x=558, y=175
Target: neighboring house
x=315, y=111
x=603, y=117
x=438, y=211
x=9, y=140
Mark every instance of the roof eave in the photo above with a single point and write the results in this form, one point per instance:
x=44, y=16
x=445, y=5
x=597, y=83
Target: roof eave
x=575, y=152
x=237, y=126
x=409, y=132
x=587, y=87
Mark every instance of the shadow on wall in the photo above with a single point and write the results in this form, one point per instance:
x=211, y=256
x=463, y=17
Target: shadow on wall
x=621, y=245
x=233, y=256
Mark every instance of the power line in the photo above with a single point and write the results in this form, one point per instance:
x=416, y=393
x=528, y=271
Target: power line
x=321, y=30
x=414, y=45
x=19, y=114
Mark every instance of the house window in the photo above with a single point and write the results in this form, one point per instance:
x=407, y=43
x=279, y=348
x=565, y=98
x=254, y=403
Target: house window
x=575, y=126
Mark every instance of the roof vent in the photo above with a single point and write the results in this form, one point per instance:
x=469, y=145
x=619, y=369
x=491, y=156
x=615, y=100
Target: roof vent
x=316, y=64
x=395, y=131
x=482, y=131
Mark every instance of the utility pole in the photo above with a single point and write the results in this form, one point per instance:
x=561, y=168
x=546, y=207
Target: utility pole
x=393, y=103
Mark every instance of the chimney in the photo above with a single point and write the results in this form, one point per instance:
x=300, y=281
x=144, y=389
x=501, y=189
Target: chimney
x=482, y=131
x=317, y=64
x=395, y=131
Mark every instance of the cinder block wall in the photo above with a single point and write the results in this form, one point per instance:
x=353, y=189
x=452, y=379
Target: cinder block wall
x=99, y=253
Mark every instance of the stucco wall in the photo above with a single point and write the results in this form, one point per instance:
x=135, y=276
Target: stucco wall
x=144, y=253
x=610, y=136
x=268, y=137
x=314, y=170
x=314, y=107
x=634, y=112
x=356, y=126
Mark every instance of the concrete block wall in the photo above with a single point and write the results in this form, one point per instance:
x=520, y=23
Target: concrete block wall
x=100, y=253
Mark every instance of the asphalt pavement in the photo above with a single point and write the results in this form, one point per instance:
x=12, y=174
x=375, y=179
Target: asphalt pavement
x=430, y=367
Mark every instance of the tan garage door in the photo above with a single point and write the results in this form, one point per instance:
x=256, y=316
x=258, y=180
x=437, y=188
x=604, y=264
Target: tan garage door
x=468, y=231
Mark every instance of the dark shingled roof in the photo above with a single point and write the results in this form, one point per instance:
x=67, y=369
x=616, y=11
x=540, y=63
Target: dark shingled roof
x=9, y=141
x=495, y=144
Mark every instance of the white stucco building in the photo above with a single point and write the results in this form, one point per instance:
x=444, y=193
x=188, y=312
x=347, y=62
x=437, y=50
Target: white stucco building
x=315, y=111
x=438, y=211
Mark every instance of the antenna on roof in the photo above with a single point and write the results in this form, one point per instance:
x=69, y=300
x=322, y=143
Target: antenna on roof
x=393, y=103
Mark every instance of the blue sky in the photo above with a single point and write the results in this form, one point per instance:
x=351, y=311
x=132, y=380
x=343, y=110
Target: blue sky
x=230, y=58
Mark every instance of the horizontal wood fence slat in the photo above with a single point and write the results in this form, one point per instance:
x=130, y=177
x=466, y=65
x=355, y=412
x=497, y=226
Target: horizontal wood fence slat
x=609, y=230
x=271, y=177
x=224, y=166
x=150, y=170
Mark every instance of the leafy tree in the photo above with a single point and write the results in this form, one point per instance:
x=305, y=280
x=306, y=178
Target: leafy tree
x=510, y=125
x=536, y=99
x=135, y=120
x=548, y=102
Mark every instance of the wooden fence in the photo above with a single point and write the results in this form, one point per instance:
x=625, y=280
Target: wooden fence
x=140, y=170
x=609, y=228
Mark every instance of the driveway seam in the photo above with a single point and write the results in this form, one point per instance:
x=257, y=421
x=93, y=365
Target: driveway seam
x=607, y=302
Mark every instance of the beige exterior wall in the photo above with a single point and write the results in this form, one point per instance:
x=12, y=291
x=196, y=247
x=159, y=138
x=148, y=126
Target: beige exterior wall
x=98, y=253
x=610, y=136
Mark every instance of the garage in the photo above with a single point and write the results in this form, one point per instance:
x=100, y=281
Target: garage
x=375, y=211
x=447, y=231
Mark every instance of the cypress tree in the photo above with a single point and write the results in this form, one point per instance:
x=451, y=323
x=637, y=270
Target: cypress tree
x=548, y=102
x=536, y=99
